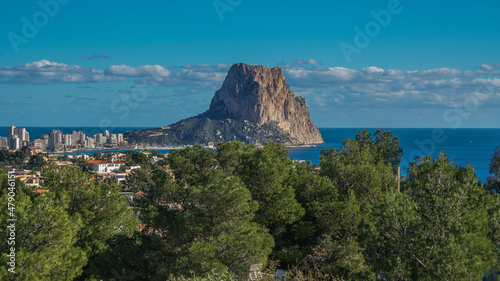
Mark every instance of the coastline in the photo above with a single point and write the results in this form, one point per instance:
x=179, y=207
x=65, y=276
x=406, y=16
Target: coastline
x=138, y=148
x=458, y=145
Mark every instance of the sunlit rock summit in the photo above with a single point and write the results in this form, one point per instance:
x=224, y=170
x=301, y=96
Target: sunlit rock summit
x=254, y=105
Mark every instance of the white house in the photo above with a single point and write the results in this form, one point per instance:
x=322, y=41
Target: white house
x=105, y=167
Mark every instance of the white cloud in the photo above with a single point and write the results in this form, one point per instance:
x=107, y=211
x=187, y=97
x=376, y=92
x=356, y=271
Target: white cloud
x=372, y=69
x=47, y=72
x=124, y=70
x=324, y=86
x=319, y=76
x=438, y=72
x=376, y=86
x=486, y=67
x=310, y=61
x=157, y=72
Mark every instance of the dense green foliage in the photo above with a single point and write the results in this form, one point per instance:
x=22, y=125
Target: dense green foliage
x=494, y=180
x=436, y=229
x=35, y=162
x=58, y=231
x=46, y=237
x=219, y=211
x=15, y=158
x=99, y=205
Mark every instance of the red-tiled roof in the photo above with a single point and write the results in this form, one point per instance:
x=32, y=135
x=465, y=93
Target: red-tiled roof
x=97, y=162
x=141, y=227
x=103, y=162
x=21, y=172
x=40, y=190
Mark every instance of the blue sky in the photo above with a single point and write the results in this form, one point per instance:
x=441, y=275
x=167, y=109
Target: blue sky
x=151, y=63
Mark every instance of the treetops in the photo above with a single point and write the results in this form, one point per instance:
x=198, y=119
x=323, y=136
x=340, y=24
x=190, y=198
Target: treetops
x=238, y=205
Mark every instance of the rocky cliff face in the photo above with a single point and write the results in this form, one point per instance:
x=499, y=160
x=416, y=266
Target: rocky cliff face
x=261, y=95
x=254, y=105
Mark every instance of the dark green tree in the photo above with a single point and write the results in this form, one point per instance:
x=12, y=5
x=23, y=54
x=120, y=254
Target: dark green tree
x=436, y=229
x=18, y=157
x=36, y=162
x=230, y=155
x=100, y=206
x=357, y=166
x=387, y=148
x=139, y=257
x=211, y=227
x=156, y=153
x=138, y=158
x=140, y=180
x=362, y=170
x=191, y=165
x=45, y=240
x=264, y=172
x=98, y=156
x=4, y=155
x=494, y=178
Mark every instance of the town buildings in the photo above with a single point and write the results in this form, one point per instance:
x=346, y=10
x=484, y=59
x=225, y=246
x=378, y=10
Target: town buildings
x=17, y=138
x=57, y=141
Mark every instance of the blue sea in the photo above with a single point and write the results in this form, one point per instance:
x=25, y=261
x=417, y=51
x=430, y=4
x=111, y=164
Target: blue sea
x=463, y=146
x=474, y=146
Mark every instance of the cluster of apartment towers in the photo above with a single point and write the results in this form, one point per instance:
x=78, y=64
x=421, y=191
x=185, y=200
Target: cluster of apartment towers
x=57, y=141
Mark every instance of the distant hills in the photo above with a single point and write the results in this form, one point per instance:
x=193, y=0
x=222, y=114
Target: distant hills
x=254, y=105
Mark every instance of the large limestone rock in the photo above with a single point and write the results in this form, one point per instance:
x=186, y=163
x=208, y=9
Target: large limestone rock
x=261, y=95
x=254, y=105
